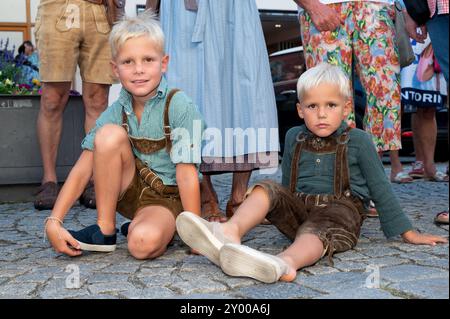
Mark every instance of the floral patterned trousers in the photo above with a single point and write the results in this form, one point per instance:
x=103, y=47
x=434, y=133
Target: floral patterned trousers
x=367, y=37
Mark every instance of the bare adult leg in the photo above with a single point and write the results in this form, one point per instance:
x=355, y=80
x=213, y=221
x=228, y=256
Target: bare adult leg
x=209, y=200
x=238, y=189
x=114, y=169
x=415, y=126
x=95, y=98
x=426, y=132
x=49, y=125
x=150, y=232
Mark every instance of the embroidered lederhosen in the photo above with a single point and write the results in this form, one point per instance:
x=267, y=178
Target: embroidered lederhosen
x=341, y=186
x=165, y=195
x=335, y=218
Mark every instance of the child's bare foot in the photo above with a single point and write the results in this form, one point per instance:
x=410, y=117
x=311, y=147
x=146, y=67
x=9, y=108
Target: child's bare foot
x=291, y=273
x=289, y=276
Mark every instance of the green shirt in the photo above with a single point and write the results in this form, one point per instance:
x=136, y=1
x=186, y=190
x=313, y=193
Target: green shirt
x=368, y=179
x=185, y=121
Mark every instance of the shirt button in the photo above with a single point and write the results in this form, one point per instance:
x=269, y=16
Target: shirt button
x=318, y=161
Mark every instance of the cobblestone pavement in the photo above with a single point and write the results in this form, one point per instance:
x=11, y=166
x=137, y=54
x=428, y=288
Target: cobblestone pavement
x=29, y=268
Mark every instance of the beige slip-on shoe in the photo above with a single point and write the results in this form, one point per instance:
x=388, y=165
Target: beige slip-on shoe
x=205, y=237
x=242, y=261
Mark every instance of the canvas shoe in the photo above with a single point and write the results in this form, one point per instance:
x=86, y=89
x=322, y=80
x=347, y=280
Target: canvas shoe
x=242, y=261
x=205, y=237
x=92, y=239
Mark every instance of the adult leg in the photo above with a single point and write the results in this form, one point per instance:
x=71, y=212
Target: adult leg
x=210, y=203
x=114, y=169
x=426, y=132
x=150, y=232
x=238, y=189
x=95, y=98
x=438, y=29
x=378, y=68
x=331, y=47
x=49, y=125
x=416, y=124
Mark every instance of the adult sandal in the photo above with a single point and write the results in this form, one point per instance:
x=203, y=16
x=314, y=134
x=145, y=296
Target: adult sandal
x=46, y=196
x=205, y=237
x=437, y=177
x=88, y=197
x=441, y=218
x=242, y=261
x=210, y=211
x=401, y=177
x=417, y=170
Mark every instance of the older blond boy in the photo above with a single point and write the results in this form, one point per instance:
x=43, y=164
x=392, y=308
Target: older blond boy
x=140, y=167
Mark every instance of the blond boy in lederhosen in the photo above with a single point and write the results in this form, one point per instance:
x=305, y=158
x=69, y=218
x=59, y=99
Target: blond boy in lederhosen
x=142, y=152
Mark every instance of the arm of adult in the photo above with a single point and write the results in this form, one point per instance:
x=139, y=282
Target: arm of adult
x=416, y=32
x=323, y=17
x=60, y=238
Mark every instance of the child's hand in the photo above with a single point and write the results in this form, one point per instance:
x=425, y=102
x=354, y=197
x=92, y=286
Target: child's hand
x=61, y=240
x=416, y=238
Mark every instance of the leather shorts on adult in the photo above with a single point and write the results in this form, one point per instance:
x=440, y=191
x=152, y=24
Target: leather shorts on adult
x=70, y=33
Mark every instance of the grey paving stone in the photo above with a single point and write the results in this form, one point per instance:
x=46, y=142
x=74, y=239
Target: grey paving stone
x=109, y=287
x=387, y=261
x=335, y=281
x=411, y=272
x=148, y=293
x=434, y=262
x=434, y=288
x=17, y=290
x=359, y=293
x=29, y=268
x=277, y=291
x=197, y=285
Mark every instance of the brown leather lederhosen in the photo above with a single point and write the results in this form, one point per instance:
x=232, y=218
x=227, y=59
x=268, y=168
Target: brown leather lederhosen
x=147, y=146
x=336, y=218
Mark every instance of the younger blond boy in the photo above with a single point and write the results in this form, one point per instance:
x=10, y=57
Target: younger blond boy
x=329, y=172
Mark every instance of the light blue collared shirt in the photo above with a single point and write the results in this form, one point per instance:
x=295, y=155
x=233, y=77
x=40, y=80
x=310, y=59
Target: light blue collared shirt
x=186, y=123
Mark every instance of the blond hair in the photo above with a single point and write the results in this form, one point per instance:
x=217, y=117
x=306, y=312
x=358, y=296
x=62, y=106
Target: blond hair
x=145, y=24
x=324, y=73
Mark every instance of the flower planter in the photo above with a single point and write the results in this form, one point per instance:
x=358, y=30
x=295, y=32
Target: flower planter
x=20, y=157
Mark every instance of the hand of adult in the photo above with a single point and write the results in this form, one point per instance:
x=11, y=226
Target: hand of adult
x=61, y=240
x=323, y=17
x=414, y=31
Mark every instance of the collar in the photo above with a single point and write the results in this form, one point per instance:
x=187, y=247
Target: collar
x=126, y=99
x=336, y=133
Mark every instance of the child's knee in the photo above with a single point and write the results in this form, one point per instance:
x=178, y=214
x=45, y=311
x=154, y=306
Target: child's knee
x=144, y=244
x=109, y=137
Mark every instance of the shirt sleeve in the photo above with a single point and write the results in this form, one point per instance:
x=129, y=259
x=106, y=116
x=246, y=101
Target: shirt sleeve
x=286, y=162
x=187, y=126
x=112, y=114
x=392, y=218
